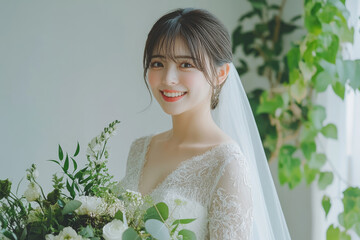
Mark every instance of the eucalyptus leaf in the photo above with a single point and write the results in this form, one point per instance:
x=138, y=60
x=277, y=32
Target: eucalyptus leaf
x=130, y=234
x=157, y=229
x=187, y=234
x=160, y=212
x=71, y=206
x=183, y=221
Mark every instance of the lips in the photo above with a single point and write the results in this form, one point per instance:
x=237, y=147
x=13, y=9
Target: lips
x=172, y=95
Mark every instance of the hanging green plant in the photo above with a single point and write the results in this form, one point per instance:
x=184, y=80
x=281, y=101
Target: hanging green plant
x=288, y=118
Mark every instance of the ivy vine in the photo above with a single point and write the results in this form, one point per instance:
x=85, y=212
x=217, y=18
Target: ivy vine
x=288, y=119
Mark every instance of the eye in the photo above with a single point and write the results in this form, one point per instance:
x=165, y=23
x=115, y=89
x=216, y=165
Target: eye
x=186, y=65
x=156, y=64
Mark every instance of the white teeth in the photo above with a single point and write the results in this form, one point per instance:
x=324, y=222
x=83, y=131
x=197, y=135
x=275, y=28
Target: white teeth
x=173, y=94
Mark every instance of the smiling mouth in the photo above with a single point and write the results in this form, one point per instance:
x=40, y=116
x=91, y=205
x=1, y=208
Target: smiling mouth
x=172, y=95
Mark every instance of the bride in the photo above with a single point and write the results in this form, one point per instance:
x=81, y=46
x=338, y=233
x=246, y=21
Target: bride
x=212, y=158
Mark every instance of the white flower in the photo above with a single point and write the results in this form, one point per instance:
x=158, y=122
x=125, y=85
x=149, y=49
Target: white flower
x=92, y=206
x=116, y=206
x=32, y=192
x=114, y=230
x=36, y=174
x=66, y=233
x=34, y=215
x=50, y=237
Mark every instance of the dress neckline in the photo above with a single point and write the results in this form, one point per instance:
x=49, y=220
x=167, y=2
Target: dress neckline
x=179, y=166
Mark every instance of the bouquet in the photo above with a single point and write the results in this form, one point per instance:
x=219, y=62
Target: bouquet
x=85, y=204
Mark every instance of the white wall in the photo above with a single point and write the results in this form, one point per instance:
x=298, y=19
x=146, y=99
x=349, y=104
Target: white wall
x=68, y=68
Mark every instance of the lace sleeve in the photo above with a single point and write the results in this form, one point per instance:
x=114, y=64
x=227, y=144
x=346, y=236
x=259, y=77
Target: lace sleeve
x=230, y=214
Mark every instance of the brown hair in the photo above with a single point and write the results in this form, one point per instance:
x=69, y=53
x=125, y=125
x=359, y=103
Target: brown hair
x=205, y=36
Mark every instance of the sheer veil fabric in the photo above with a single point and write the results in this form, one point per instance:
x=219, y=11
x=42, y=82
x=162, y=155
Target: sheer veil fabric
x=234, y=116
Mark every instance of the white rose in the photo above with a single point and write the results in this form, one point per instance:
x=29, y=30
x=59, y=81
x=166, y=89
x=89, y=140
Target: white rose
x=69, y=233
x=92, y=206
x=32, y=192
x=114, y=230
x=50, y=237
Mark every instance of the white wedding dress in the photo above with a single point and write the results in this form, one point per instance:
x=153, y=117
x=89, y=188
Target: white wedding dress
x=214, y=186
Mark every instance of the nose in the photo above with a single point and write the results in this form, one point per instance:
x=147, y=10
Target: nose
x=171, y=75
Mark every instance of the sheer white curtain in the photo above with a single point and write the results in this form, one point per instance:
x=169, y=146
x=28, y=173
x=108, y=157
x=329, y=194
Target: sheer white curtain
x=343, y=153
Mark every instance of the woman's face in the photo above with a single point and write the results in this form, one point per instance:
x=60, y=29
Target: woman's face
x=178, y=85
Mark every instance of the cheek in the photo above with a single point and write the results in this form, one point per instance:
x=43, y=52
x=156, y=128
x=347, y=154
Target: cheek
x=153, y=78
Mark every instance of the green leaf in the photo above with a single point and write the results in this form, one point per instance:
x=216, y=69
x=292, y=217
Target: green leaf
x=312, y=24
x=308, y=148
x=157, y=229
x=317, y=160
x=9, y=235
x=66, y=164
x=187, y=234
x=268, y=105
x=298, y=89
x=160, y=212
x=333, y=233
x=326, y=204
x=325, y=179
x=339, y=89
x=323, y=80
x=307, y=71
x=344, y=236
x=350, y=219
x=310, y=174
x=183, y=221
x=71, y=206
x=119, y=215
x=77, y=150
x=130, y=234
x=357, y=229
x=75, y=164
x=70, y=188
x=327, y=13
x=61, y=154
x=289, y=167
x=330, y=44
x=87, y=232
x=317, y=116
x=293, y=58
x=329, y=131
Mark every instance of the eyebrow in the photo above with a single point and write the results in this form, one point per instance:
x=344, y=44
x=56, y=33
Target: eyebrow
x=177, y=57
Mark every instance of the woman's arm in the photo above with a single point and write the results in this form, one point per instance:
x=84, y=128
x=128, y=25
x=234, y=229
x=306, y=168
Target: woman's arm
x=230, y=214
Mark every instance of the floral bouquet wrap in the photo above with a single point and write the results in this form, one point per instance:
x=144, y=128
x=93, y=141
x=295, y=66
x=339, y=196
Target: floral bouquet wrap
x=85, y=204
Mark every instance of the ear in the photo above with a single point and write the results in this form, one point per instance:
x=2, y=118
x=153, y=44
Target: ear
x=222, y=73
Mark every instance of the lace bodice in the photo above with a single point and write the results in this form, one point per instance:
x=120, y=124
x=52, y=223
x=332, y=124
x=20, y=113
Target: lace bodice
x=214, y=186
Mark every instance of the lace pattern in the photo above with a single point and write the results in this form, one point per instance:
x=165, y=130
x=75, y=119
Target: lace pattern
x=214, y=184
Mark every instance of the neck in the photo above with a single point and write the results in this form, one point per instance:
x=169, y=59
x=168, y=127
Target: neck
x=192, y=127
